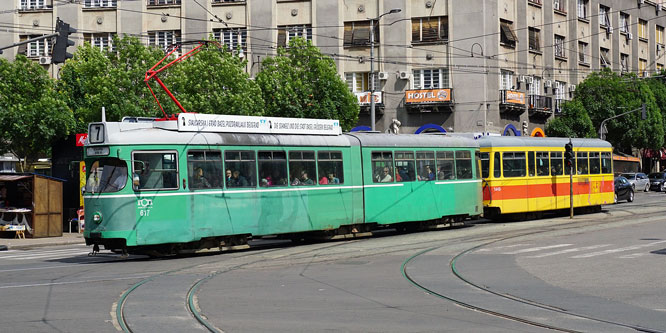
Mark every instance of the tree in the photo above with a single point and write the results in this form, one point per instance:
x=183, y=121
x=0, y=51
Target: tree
x=301, y=82
x=574, y=122
x=32, y=114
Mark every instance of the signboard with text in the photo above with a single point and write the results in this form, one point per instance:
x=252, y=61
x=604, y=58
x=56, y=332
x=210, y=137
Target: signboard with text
x=364, y=97
x=428, y=96
x=515, y=97
x=193, y=122
x=81, y=139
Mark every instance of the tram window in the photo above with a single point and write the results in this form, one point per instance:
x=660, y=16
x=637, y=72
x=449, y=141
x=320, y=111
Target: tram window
x=242, y=167
x=595, y=167
x=581, y=163
x=404, y=166
x=530, y=163
x=497, y=165
x=484, y=160
x=382, y=167
x=155, y=170
x=107, y=175
x=425, y=165
x=302, y=168
x=329, y=164
x=513, y=164
x=542, y=165
x=464, y=164
x=606, y=163
x=204, y=169
x=272, y=168
x=445, y=165
x=556, y=163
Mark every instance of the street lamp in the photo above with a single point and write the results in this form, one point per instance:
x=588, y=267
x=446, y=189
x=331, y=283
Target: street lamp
x=372, y=65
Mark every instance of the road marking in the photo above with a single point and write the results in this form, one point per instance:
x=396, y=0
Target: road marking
x=585, y=248
x=73, y=282
x=622, y=249
x=534, y=249
x=634, y=255
x=52, y=255
x=501, y=247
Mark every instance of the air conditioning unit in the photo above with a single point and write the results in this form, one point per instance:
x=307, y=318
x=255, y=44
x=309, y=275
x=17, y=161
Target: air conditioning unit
x=658, y=8
x=382, y=75
x=521, y=78
x=403, y=75
x=572, y=87
x=630, y=36
x=529, y=79
x=548, y=83
x=646, y=74
x=44, y=60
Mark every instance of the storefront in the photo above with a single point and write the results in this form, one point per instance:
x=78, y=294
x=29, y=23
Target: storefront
x=31, y=203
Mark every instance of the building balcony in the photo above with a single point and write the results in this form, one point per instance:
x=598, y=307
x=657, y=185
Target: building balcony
x=429, y=100
x=512, y=102
x=540, y=106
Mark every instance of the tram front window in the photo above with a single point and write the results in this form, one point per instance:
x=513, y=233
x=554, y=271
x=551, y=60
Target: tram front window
x=107, y=175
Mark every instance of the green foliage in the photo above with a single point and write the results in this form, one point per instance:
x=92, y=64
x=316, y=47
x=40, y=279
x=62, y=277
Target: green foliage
x=301, y=82
x=32, y=114
x=574, y=122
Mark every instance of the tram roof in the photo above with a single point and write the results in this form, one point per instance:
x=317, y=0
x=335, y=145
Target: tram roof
x=519, y=141
x=412, y=140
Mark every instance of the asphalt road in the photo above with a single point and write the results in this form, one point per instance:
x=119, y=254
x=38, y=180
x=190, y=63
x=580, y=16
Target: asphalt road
x=596, y=273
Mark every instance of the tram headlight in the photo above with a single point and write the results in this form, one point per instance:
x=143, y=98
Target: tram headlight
x=97, y=217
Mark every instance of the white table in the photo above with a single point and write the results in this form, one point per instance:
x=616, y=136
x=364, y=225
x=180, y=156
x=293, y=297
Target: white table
x=14, y=223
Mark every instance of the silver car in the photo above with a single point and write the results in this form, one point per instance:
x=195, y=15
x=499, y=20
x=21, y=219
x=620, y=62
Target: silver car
x=638, y=180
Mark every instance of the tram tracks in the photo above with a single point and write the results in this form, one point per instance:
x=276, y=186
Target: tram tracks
x=506, y=315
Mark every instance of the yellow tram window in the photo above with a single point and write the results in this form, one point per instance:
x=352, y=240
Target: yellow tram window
x=497, y=162
x=542, y=165
x=513, y=164
x=595, y=167
x=556, y=163
x=484, y=160
x=606, y=163
x=530, y=163
x=581, y=163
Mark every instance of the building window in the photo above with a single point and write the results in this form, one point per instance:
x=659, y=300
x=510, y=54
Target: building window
x=642, y=67
x=430, y=29
x=624, y=22
x=357, y=82
x=163, y=39
x=34, y=4
x=560, y=5
x=534, y=88
x=100, y=3
x=507, y=36
x=583, y=10
x=233, y=38
x=659, y=35
x=604, y=60
x=558, y=90
x=287, y=32
x=506, y=80
x=624, y=62
x=357, y=33
x=163, y=2
x=604, y=16
x=559, y=46
x=583, y=57
x=535, y=40
x=642, y=29
x=102, y=41
x=430, y=78
x=38, y=48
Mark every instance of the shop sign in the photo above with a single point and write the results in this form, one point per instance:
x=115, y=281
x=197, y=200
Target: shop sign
x=427, y=96
x=81, y=139
x=196, y=122
x=515, y=97
x=364, y=97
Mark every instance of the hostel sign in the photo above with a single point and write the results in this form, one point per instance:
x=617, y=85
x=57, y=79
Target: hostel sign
x=515, y=97
x=195, y=122
x=427, y=96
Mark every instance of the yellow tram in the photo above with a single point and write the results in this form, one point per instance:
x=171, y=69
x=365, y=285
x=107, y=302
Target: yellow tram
x=524, y=175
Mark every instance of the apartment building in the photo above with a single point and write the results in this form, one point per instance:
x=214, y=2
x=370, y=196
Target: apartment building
x=497, y=66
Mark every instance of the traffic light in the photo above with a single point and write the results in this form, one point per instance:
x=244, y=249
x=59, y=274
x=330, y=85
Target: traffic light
x=643, y=112
x=62, y=42
x=568, y=154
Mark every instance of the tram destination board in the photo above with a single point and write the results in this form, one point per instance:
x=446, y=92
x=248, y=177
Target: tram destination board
x=192, y=122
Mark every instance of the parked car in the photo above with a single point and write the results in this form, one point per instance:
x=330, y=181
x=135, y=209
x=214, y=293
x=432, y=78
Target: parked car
x=638, y=180
x=657, y=180
x=623, y=189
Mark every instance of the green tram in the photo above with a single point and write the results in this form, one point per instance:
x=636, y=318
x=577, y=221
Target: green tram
x=152, y=188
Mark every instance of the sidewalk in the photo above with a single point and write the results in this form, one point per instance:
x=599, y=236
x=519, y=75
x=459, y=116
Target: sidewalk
x=65, y=239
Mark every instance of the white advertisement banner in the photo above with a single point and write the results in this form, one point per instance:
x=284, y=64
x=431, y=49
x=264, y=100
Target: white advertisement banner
x=196, y=122
x=364, y=97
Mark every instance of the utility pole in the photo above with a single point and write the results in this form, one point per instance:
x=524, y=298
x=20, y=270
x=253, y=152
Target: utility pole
x=372, y=64
x=569, y=159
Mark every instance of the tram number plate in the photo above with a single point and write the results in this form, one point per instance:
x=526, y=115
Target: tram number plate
x=96, y=133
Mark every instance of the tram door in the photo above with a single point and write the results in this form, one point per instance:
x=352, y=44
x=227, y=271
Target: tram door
x=515, y=185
